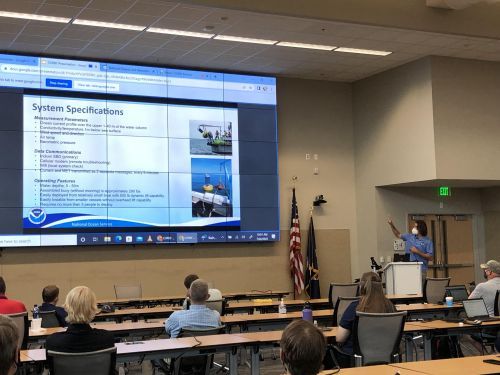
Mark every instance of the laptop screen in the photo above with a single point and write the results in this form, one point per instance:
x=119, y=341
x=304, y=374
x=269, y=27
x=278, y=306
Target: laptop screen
x=459, y=293
x=475, y=307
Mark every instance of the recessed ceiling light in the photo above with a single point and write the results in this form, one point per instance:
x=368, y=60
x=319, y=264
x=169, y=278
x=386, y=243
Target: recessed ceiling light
x=306, y=45
x=245, y=40
x=363, y=51
x=179, y=32
x=109, y=25
x=36, y=17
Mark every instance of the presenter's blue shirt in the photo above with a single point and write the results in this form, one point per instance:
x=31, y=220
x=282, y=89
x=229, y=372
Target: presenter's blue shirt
x=424, y=244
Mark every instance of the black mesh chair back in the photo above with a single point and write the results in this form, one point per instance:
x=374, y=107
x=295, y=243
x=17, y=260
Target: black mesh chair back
x=434, y=289
x=200, y=364
x=496, y=308
x=376, y=337
x=341, y=290
x=23, y=328
x=131, y=291
x=341, y=305
x=100, y=362
x=49, y=319
x=217, y=305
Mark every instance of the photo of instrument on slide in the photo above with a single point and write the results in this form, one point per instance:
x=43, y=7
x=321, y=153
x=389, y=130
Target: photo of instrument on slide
x=211, y=137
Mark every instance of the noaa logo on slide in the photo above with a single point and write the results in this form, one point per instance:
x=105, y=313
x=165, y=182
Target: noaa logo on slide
x=37, y=216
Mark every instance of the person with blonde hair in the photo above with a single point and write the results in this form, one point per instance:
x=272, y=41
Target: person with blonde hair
x=81, y=306
x=9, y=351
x=372, y=300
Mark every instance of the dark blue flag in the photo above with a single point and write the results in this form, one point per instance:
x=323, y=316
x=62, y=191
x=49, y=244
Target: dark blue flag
x=312, y=269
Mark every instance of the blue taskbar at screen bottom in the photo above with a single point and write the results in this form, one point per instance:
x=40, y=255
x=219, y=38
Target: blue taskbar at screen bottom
x=176, y=237
x=86, y=239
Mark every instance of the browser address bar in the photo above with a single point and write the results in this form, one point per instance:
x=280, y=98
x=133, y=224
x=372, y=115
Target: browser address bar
x=122, y=77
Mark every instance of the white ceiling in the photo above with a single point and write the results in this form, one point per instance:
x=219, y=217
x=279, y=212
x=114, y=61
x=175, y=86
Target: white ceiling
x=143, y=47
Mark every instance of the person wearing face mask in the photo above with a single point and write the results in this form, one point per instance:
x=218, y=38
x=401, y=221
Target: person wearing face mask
x=417, y=244
x=488, y=289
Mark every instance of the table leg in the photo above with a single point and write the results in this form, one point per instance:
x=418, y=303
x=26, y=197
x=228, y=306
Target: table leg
x=427, y=346
x=409, y=348
x=233, y=361
x=255, y=361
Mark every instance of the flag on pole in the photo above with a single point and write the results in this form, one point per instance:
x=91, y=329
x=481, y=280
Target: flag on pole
x=312, y=269
x=296, y=262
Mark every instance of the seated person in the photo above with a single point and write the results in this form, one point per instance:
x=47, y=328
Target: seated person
x=9, y=306
x=50, y=296
x=198, y=315
x=9, y=337
x=303, y=348
x=187, y=284
x=372, y=301
x=80, y=336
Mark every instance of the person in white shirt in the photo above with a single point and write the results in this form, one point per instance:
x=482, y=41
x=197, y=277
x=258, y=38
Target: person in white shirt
x=488, y=289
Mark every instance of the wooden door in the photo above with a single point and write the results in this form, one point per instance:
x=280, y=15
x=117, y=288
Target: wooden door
x=453, y=246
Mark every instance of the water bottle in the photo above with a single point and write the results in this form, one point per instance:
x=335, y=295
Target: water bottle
x=36, y=312
x=307, y=313
x=282, y=307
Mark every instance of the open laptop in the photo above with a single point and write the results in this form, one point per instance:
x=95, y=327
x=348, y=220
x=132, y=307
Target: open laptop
x=458, y=292
x=476, y=310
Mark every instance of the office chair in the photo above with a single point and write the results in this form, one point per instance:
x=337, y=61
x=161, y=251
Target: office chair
x=100, y=362
x=434, y=289
x=128, y=291
x=340, y=307
x=49, y=319
x=22, y=323
x=497, y=301
x=341, y=290
x=200, y=364
x=376, y=337
x=217, y=305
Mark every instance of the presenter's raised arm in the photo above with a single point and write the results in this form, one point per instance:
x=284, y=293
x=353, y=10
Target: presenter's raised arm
x=396, y=232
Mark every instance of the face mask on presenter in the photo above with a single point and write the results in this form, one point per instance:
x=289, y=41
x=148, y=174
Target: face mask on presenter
x=414, y=231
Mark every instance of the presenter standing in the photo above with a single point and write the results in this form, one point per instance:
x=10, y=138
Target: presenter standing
x=417, y=244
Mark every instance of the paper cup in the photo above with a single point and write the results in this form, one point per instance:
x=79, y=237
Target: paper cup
x=36, y=324
x=449, y=301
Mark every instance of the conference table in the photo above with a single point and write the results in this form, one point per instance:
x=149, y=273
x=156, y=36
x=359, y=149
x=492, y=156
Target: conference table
x=178, y=299
x=135, y=313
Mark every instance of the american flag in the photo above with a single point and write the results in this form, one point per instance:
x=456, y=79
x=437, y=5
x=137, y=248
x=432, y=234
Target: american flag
x=296, y=262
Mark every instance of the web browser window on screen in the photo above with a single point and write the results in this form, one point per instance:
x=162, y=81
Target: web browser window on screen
x=99, y=153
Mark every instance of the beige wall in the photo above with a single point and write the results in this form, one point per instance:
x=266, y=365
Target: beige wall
x=314, y=117
x=392, y=125
x=490, y=199
x=466, y=96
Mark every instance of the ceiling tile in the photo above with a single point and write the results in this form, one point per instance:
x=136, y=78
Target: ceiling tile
x=10, y=28
x=172, y=23
x=111, y=5
x=69, y=43
x=151, y=8
x=7, y=37
x=137, y=19
x=99, y=15
x=30, y=39
x=81, y=32
x=66, y=51
x=21, y=6
x=59, y=10
x=73, y=3
x=43, y=30
x=110, y=47
x=116, y=36
x=182, y=12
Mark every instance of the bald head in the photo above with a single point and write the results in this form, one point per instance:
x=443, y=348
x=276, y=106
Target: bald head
x=198, y=292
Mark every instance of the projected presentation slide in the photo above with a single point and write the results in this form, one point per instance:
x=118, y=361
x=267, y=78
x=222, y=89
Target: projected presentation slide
x=93, y=168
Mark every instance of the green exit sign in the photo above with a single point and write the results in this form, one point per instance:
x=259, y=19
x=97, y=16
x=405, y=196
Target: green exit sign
x=444, y=191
